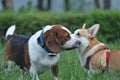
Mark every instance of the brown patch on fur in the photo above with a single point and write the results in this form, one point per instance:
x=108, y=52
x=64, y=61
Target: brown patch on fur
x=55, y=38
x=95, y=61
x=8, y=53
x=26, y=56
x=83, y=32
x=98, y=60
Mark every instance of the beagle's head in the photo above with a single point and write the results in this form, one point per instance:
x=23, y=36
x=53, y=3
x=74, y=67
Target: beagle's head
x=58, y=38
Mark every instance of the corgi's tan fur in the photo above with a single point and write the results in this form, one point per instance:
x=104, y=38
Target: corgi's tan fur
x=95, y=50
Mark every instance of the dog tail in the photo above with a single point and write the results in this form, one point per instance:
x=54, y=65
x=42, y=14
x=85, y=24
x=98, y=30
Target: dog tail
x=10, y=31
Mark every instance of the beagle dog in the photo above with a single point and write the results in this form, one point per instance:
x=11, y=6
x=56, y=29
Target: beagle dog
x=38, y=53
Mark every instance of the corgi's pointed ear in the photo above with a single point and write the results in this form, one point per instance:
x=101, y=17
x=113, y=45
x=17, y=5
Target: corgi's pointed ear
x=93, y=30
x=83, y=27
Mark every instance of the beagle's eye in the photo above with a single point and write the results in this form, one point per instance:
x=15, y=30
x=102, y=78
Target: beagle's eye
x=78, y=34
x=66, y=35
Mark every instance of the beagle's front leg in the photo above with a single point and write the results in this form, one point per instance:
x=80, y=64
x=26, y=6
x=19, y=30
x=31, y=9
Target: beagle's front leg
x=55, y=71
x=34, y=74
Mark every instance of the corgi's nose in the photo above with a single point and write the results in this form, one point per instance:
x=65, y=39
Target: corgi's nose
x=77, y=43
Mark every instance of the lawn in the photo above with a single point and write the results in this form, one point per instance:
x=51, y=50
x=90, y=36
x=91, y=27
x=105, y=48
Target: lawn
x=69, y=65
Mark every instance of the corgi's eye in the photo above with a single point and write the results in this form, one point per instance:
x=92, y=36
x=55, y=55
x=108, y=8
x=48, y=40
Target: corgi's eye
x=78, y=34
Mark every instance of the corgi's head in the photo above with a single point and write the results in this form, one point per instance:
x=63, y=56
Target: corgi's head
x=87, y=36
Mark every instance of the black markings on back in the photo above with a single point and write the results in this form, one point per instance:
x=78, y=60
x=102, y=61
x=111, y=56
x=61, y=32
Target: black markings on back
x=17, y=48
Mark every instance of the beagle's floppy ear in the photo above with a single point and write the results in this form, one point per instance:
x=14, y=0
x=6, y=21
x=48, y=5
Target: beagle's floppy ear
x=51, y=42
x=93, y=30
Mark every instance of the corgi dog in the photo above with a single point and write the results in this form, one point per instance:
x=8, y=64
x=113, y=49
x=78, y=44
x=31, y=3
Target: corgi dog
x=95, y=55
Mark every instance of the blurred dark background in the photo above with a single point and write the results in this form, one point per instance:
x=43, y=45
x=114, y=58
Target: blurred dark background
x=59, y=5
x=30, y=16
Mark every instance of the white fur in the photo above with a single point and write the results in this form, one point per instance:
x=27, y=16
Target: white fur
x=10, y=30
x=55, y=78
x=46, y=28
x=10, y=65
x=66, y=29
x=39, y=59
x=83, y=45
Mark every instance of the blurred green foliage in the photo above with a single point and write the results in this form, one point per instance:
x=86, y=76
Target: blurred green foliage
x=29, y=22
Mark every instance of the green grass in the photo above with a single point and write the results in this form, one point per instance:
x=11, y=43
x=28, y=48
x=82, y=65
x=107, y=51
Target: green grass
x=69, y=66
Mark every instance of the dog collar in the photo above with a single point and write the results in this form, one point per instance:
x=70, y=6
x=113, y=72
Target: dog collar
x=108, y=53
x=43, y=45
x=87, y=63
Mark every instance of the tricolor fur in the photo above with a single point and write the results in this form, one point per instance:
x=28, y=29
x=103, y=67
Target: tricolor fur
x=28, y=53
x=94, y=55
